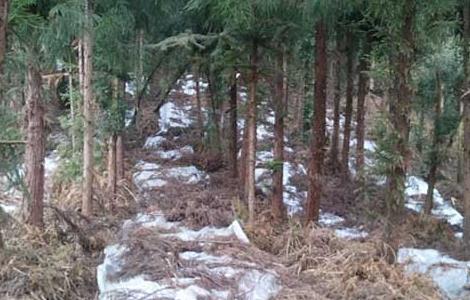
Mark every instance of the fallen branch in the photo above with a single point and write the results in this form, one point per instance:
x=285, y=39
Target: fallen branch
x=12, y=142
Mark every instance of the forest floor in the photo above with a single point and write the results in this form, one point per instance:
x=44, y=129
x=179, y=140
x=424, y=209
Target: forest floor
x=184, y=236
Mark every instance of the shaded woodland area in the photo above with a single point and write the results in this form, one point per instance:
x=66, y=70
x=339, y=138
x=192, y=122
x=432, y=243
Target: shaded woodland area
x=234, y=149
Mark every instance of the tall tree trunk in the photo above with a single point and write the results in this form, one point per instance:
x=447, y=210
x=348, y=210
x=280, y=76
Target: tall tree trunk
x=88, y=115
x=139, y=67
x=400, y=107
x=233, y=126
x=319, y=124
x=277, y=203
x=200, y=119
x=112, y=168
x=119, y=139
x=299, y=119
x=363, y=90
x=251, y=136
x=3, y=41
x=334, y=150
x=35, y=149
x=466, y=122
x=436, y=145
x=349, y=105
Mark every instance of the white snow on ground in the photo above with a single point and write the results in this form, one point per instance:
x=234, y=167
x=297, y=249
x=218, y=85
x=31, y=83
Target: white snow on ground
x=151, y=175
x=329, y=219
x=351, y=233
x=449, y=274
x=175, y=154
x=254, y=283
x=154, y=142
x=189, y=85
x=173, y=117
x=443, y=209
x=129, y=114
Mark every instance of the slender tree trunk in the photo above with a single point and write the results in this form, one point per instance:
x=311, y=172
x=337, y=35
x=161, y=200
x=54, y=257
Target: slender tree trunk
x=88, y=115
x=233, y=126
x=119, y=139
x=72, y=109
x=349, y=106
x=363, y=90
x=3, y=41
x=334, y=150
x=300, y=107
x=112, y=168
x=466, y=122
x=436, y=145
x=251, y=136
x=400, y=107
x=35, y=149
x=277, y=203
x=319, y=124
x=139, y=67
x=200, y=119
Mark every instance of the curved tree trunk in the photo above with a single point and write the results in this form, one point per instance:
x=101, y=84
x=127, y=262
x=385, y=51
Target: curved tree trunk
x=88, y=116
x=35, y=149
x=251, y=136
x=319, y=124
x=349, y=106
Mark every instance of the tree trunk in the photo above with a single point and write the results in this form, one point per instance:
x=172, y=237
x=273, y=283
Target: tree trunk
x=35, y=149
x=88, y=116
x=349, y=106
x=3, y=35
x=319, y=124
x=363, y=90
x=400, y=107
x=112, y=168
x=436, y=145
x=466, y=122
x=120, y=169
x=277, y=204
x=300, y=107
x=233, y=126
x=334, y=150
x=251, y=136
x=200, y=119
x=139, y=67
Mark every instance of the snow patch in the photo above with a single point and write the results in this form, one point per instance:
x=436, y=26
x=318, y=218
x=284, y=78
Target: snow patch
x=449, y=274
x=351, y=233
x=154, y=142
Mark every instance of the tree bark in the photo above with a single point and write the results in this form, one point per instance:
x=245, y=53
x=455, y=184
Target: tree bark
x=436, y=145
x=251, y=136
x=319, y=124
x=112, y=168
x=35, y=149
x=233, y=126
x=277, y=204
x=88, y=116
x=400, y=107
x=349, y=106
x=3, y=33
x=120, y=169
x=363, y=90
x=200, y=119
x=466, y=122
x=334, y=150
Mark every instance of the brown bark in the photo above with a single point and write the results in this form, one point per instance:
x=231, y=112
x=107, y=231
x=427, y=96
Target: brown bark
x=277, y=204
x=251, y=136
x=300, y=107
x=363, y=89
x=88, y=116
x=233, y=130
x=112, y=169
x=466, y=122
x=35, y=149
x=319, y=124
x=3, y=32
x=436, y=145
x=334, y=150
x=200, y=120
x=120, y=169
x=400, y=107
x=349, y=106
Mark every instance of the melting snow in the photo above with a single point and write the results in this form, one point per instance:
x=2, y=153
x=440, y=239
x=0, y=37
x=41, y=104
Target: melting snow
x=176, y=153
x=449, y=274
x=173, y=117
x=442, y=209
x=351, y=233
x=154, y=142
